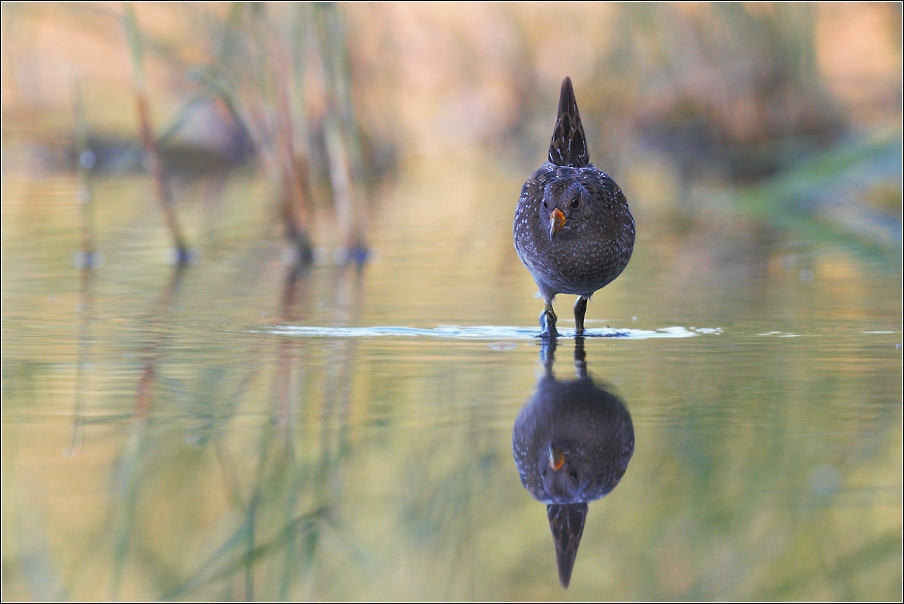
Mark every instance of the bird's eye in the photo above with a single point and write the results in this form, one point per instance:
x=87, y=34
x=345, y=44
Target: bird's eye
x=544, y=204
x=573, y=475
x=575, y=202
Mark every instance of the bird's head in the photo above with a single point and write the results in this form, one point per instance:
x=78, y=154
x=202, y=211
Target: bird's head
x=564, y=208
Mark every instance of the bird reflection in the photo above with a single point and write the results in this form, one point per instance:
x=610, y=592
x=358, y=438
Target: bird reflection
x=572, y=443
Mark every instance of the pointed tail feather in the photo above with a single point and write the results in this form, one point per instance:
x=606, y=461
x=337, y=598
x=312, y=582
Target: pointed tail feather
x=568, y=146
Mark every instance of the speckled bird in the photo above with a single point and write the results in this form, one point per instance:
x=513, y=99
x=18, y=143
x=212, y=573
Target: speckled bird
x=572, y=443
x=573, y=229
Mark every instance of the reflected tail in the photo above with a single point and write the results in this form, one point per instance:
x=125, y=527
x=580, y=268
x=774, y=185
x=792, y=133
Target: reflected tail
x=567, y=524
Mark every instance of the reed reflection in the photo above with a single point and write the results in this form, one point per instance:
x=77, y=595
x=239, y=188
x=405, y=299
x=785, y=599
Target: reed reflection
x=572, y=442
x=289, y=502
x=129, y=473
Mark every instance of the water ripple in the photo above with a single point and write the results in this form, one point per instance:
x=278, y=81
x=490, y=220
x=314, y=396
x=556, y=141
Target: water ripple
x=483, y=332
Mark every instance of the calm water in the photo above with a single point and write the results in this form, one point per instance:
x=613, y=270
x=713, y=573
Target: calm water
x=235, y=430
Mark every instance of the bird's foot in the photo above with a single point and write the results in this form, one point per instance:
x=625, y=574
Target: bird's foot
x=548, y=323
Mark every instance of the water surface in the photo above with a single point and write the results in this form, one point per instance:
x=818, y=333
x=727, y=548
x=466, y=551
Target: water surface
x=238, y=429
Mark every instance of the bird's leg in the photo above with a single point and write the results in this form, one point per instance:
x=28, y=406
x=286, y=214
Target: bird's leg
x=548, y=322
x=580, y=307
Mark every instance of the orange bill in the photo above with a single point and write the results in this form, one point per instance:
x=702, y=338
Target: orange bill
x=556, y=222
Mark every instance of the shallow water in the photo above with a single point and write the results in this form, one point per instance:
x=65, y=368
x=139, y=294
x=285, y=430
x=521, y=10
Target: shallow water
x=240, y=430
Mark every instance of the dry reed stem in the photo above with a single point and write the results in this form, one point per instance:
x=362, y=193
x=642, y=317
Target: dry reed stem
x=149, y=144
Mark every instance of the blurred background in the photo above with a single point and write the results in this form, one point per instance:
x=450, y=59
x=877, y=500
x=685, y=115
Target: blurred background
x=672, y=96
x=188, y=188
